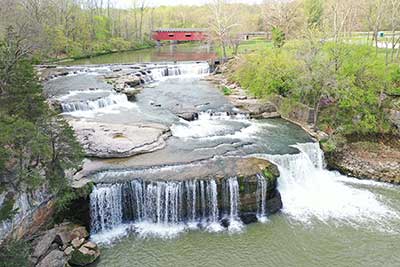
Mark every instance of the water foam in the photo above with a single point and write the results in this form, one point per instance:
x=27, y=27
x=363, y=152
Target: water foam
x=309, y=191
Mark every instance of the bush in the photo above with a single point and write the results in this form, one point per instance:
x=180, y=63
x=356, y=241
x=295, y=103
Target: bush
x=15, y=254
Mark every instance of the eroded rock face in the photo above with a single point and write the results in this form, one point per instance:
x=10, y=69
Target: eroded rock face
x=381, y=162
x=118, y=141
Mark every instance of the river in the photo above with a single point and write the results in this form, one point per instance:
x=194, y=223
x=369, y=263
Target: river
x=327, y=219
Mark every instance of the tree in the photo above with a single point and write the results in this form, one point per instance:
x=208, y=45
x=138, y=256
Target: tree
x=278, y=37
x=314, y=10
x=36, y=145
x=222, y=22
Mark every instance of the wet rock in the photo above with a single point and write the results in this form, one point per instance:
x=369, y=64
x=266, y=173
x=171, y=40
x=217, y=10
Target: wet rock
x=119, y=141
x=44, y=243
x=188, y=116
x=248, y=217
x=225, y=222
x=55, y=258
x=274, y=203
x=84, y=256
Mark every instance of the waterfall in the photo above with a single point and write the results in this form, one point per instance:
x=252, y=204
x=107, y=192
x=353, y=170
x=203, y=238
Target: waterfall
x=261, y=196
x=161, y=203
x=232, y=203
x=112, y=99
x=160, y=72
x=309, y=191
x=106, y=207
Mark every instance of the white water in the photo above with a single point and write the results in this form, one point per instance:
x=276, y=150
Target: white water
x=161, y=72
x=214, y=125
x=231, y=199
x=93, y=105
x=311, y=192
x=261, y=196
x=158, y=208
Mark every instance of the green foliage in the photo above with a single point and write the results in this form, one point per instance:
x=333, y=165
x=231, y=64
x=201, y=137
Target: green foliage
x=270, y=72
x=226, y=90
x=349, y=79
x=333, y=143
x=15, y=254
x=36, y=145
x=314, y=10
x=278, y=37
x=7, y=210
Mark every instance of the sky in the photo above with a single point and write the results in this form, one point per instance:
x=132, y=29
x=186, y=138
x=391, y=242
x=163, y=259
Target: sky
x=127, y=3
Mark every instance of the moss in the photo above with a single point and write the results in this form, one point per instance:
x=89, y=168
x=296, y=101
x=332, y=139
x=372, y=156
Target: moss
x=227, y=90
x=7, y=210
x=80, y=259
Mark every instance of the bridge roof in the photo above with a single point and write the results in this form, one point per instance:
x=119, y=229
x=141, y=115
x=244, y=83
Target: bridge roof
x=180, y=30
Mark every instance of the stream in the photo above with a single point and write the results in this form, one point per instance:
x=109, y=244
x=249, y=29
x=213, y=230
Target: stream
x=327, y=219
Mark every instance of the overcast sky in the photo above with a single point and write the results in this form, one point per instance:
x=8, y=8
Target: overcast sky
x=127, y=3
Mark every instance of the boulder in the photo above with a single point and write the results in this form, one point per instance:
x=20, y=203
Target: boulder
x=188, y=116
x=76, y=243
x=63, y=238
x=55, y=258
x=248, y=217
x=44, y=243
x=84, y=256
x=68, y=250
x=79, y=232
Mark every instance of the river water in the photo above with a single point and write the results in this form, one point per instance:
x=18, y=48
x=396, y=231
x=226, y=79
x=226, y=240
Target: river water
x=327, y=219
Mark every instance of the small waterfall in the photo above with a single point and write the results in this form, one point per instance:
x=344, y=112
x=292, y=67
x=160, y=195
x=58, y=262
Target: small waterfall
x=232, y=203
x=160, y=72
x=261, y=196
x=112, y=99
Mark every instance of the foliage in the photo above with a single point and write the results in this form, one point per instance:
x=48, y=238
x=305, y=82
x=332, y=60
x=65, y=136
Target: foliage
x=267, y=73
x=7, y=210
x=343, y=83
x=15, y=254
x=36, y=145
x=314, y=10
x=278, y=37
x=226, y=90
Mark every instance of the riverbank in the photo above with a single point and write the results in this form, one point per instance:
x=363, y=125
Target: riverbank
x=363, y=158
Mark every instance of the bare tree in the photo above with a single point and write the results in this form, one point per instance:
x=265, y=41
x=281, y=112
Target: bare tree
x=284, y=15
x=222, y=23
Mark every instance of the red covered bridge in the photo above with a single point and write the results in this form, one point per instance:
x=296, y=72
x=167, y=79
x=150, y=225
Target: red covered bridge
x=179, y=34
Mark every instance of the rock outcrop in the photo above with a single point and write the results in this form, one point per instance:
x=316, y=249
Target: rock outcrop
x=380, y=162
x=103, y=140
x=63, y=244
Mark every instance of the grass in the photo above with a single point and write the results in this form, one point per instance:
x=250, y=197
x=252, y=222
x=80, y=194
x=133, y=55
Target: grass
x=246, y=47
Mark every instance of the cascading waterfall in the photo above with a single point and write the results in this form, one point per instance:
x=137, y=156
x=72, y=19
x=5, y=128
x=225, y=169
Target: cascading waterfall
x=152, y=73
x=261, y=196
x=162, y=202
x=232, y=203
x=112, y=99
x=309, y=191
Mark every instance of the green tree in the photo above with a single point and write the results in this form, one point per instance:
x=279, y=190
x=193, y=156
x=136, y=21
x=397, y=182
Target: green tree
x=278, y=37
